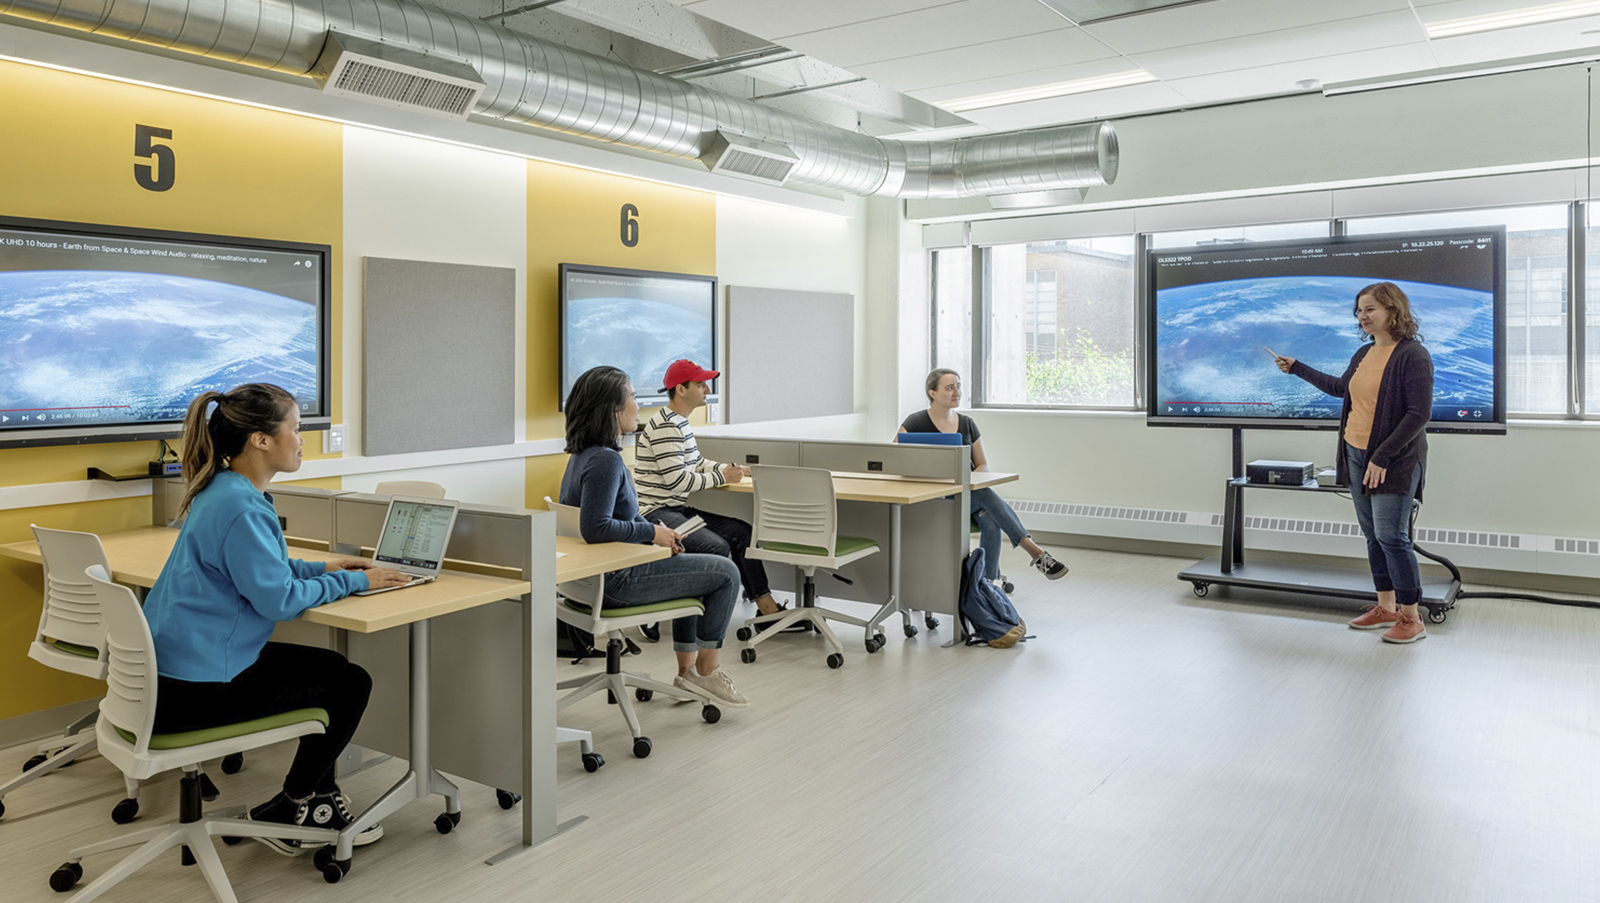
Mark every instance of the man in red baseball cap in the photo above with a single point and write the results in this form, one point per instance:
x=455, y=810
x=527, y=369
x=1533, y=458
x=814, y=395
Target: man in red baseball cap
x=668, y=466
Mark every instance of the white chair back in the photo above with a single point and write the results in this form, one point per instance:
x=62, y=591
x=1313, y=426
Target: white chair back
x=71, y=612
x=589, y=591
x=130, y=701
x=421, y=489
x=794, y=505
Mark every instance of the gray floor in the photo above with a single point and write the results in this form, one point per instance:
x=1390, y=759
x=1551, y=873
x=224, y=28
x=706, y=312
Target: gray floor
x=1146, y=745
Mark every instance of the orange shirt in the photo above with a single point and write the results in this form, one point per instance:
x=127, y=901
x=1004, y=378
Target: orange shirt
x=1364, y=395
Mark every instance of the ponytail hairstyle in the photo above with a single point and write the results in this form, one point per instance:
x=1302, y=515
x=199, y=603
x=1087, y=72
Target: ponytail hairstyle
x=211, y=443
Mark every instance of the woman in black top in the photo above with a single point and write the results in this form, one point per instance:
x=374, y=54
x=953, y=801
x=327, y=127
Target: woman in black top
x=993, y=515
x=1388, y=401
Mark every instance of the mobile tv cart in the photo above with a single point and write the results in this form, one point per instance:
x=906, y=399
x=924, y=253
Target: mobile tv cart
x=1438, y=596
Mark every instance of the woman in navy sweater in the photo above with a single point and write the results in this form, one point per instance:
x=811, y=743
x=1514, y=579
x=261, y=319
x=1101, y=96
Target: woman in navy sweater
x=229, y=581
x=600, y=408
x=1383, y=449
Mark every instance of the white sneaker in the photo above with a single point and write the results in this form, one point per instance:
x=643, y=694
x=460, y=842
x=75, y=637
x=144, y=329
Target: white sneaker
x=1050, y=567
x=718, y=685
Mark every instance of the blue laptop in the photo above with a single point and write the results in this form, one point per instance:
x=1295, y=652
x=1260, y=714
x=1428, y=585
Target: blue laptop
x=928, y=438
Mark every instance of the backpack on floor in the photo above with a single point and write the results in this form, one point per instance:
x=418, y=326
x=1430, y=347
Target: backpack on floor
x=987, y=615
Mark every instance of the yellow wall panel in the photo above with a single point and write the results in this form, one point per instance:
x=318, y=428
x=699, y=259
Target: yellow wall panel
x=575, y=216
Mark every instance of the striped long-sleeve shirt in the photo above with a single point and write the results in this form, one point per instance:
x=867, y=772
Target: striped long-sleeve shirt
x=667, y=463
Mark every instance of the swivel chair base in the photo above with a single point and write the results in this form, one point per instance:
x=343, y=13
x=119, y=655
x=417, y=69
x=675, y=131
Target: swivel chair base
x=616, y=683
x=806, y=611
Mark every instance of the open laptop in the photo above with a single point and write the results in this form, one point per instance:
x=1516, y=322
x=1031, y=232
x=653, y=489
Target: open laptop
x=415, y=534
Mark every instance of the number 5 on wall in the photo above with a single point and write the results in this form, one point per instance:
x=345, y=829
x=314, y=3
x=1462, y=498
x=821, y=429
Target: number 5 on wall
x=160, y=175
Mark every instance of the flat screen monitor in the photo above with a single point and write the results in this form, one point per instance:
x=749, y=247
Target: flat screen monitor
x=107, y=333
x=636, y=320
x=1213, y=311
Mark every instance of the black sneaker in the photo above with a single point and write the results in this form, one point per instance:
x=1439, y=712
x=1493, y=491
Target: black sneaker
x=284, y=811
x=793, y=627
x=1050, y=567
x=332, y=810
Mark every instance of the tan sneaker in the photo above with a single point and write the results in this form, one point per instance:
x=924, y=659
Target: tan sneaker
x=1406, y=630
x=1375, y=618
x=718, y=685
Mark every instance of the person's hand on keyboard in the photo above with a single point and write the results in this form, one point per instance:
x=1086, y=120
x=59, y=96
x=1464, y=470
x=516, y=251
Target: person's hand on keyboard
x=381, y=578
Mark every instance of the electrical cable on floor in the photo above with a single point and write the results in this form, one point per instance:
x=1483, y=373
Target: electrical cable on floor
x=1530, y=597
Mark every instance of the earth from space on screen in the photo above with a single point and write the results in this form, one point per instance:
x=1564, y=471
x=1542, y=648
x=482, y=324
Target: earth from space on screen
x=642, y=338
x=91, y=346
x=1211, y=340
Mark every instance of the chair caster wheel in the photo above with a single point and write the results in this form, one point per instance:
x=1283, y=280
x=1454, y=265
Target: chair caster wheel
x=835, y=660
x=233, y=764
x=611, y=698
x=62, y=879
x=910, y=630
x=233, y=841
x=744, y=634
x=1008, y=586
x=592, y=762
x=641, y=747
x=874, y=643
x=710, y=713
x=931, y=621
x=1438, y=615
x=332, y=869
x=34, y=762
x=747, y=655
x=208, y=789
x=125, y=811
x=2, y=810
x=447, y=821
x=644, y=695
x=506, y=798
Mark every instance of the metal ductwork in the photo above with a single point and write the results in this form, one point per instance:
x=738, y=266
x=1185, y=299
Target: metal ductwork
x=542, y=84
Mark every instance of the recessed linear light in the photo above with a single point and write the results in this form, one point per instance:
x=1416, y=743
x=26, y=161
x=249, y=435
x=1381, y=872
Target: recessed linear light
x=1041, y=92
x=1514, y=18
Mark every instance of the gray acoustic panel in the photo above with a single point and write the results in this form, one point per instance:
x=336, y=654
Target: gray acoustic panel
x=790, y=355
x=439, y=344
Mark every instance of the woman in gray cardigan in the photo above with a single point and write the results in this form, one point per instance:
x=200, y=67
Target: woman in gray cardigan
x=1383, y=449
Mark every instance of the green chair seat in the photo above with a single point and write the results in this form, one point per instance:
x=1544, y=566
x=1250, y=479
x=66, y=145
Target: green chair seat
x=75, y=649
x=649, y=609
x=843, y=545
x=229, y=731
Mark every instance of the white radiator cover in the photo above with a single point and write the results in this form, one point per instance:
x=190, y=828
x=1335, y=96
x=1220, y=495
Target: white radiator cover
x=1527, y=553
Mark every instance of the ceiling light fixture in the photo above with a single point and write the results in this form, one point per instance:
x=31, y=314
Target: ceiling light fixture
x=1042, y=92
x=1513, y=18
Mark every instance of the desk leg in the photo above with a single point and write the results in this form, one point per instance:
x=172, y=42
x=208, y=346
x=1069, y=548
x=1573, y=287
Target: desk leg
x=893, y=605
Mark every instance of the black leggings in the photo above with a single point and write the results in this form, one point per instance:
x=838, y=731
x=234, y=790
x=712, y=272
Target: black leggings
x=284, y=677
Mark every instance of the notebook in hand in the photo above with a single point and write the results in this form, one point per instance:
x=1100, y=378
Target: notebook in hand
x=415, y=534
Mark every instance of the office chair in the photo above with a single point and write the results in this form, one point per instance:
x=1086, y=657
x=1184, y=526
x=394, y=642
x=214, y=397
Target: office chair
x=72, y=638
x=583, y=606
x=421, y=489
x=796, y=522
x=127, y=740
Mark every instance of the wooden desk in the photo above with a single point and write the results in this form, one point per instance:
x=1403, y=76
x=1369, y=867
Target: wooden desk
x=584, y=559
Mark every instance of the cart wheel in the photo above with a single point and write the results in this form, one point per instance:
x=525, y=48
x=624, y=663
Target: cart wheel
x=447, y=821
x=233, y=764
x=744, y=634
x=62, y=879
x=931, y=621
x=592, y=762
x=125, y=811
x=835, y=660
x=506, y=798
x=1438, y=615
x=34, y=762
x=1201, y=589
x=641, y=747
x=747, y=655
x=643, y=695
x=332, y=869
x=710, y=713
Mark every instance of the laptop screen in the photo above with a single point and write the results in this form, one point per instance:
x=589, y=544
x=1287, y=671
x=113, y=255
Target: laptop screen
x=415, y=534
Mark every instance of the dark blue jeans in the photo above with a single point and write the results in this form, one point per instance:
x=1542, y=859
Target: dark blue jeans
x=712, y=579
x=1385, y=519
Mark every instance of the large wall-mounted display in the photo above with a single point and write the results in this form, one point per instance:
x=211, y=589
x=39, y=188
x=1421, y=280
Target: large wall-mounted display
x=636, y=320
x=1213, y=311
x=108, y=333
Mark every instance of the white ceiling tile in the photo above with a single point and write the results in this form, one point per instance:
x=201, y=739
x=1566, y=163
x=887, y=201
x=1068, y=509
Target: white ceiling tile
x=1021, y=80
x=1024, y=56
x=776, y=19
x=1530, y=40
x=1079, y=107
x=1286, y=46
x=1222, y=19
x=1434, y=10
x=1265, y=81
x=926, y=31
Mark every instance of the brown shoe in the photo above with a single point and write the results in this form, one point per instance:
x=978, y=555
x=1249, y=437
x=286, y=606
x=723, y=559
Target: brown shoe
x=1375, y=618
x=1406, y=630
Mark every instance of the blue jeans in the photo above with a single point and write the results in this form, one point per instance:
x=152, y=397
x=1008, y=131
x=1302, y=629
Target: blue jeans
x=725, y=536
x=994, y=517
x=712, y=579
x=1385, y=519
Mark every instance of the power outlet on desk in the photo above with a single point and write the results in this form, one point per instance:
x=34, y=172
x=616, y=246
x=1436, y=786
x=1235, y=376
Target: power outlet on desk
x=333, y=439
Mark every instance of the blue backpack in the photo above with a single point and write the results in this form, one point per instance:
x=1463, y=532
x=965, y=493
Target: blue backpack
x=987, y=615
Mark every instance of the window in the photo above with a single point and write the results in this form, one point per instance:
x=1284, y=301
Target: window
x=1536, y=295
x=952, y=309
x=1059, y=323
x=1591, y=319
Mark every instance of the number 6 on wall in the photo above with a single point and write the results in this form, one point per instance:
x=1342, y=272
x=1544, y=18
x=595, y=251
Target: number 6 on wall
x=630, y=226
x=157, y=177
